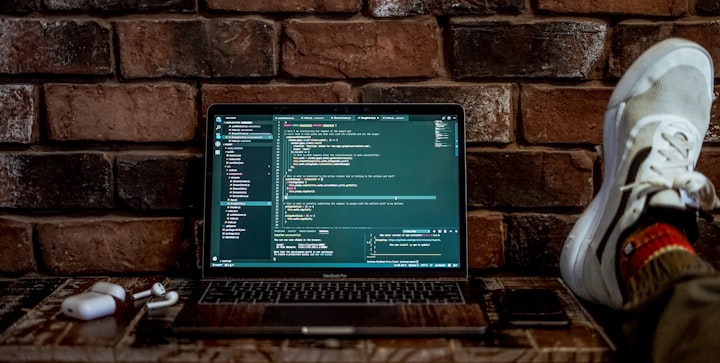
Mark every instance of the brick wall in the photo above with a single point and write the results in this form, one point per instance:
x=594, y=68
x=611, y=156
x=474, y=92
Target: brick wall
x=102, y=103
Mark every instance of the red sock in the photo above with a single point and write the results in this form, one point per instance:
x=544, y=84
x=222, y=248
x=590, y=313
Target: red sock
x=646, y=244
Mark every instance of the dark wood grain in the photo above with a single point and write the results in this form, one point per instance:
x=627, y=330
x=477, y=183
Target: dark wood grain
x=442, y=315
x=35, y=330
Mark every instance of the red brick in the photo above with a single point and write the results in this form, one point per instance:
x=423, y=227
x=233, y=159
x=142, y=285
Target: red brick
x=706, y=246
x=563, y=114
x=514, y=47
x=16, y=245
x=198, y=48
x=160, y=179
x=529, y=178
x=713, y=134
x=284, y=6
x=56, y=180
x=633, y=37
x=537, y=239
x=486, y=240
x=123, y=5
x=273, y=93
x=121, y=112
x=566, y=114
x=113, y=244
x=56, y=47
x=710, y=6
x=361, y=48
x=709, y=164
x=396, y=8
x=489, y=108
x=18, y=6
x=18, y=114
x=638, y=7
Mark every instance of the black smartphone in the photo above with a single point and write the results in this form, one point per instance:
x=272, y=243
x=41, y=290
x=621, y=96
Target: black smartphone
x=531, y=308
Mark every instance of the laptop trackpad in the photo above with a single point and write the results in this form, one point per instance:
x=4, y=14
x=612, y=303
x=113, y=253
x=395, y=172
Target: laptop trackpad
x=287, y=315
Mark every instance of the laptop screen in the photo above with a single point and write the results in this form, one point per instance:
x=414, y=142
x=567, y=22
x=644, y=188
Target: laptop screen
x=335, y=190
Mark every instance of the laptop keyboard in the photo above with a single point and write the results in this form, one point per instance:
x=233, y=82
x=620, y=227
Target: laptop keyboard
x=353, y=292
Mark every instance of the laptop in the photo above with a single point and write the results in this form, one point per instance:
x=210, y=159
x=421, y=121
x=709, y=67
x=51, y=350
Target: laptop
x=367, y=201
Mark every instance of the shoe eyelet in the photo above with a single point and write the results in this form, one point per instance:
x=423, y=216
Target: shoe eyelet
x=628, y=249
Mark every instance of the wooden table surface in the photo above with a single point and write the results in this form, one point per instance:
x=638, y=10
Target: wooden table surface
x=33, y=330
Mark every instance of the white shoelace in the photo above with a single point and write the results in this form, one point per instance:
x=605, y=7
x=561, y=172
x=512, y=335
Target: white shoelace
x=696, y=190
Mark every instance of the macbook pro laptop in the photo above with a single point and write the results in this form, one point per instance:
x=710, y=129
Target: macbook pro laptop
x=334, y=219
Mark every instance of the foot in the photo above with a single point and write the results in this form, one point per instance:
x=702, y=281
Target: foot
x=654, y=126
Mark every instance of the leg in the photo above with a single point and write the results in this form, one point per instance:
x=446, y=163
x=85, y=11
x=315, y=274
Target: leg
x=687, y=330
x=630, y=248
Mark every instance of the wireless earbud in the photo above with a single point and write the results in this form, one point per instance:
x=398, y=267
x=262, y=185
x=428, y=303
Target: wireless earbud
x=157, y=289
x=170, y=299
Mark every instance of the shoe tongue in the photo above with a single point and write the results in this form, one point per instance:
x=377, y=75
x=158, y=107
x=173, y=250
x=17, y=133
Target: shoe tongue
x=667, y=198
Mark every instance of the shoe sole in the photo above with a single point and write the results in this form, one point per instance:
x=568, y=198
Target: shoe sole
x=583, y=250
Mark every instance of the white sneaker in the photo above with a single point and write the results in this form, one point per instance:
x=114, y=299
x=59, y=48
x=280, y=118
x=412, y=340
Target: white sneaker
x=654, y=126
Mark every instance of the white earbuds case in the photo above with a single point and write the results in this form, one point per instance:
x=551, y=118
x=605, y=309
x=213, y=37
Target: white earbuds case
x=98, y=302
